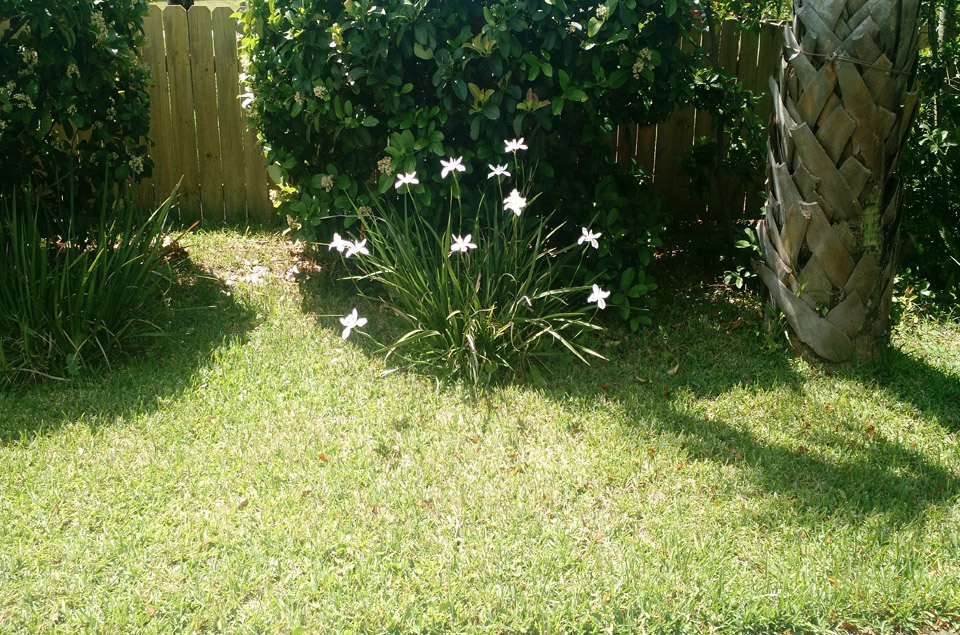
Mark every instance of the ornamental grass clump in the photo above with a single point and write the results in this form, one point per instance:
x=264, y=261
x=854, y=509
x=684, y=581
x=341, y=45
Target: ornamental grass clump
x=480, y=294
x=69, y=305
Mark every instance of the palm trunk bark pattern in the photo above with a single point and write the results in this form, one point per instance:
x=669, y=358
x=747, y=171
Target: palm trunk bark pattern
x=843, y=104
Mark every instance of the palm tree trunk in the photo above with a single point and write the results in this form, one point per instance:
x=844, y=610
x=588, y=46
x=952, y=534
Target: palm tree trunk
x=844, y=103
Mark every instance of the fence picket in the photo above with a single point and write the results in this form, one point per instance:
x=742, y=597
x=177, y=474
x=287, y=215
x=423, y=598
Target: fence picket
x=181, y=104
x=161, y=132
x=228, y=106
x=205, y=100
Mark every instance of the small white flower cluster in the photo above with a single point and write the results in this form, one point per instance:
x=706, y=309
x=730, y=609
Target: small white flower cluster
x=99, y=26
x=297, y=97
x=136, y=164
x=642, y=63
x=72, y=70
x=364, y=210
x=319, y=91
x=25, y=101
x=385, y=165
x=71, y=110
x=326, y=182
x=602, y=12
x=30, y=59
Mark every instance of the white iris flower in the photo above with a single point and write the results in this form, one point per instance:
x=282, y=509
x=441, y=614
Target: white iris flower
x=356, y=247
x=406, y=179
x=339, y=243
x=515, y=203
x=453, y=165
x=599, y=296
x=461, y=244
x=497, y=170
x=589, y=237
x=350, y=322
x=514, y=144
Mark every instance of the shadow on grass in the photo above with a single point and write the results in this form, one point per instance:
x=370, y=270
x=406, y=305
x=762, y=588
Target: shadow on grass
x=931, y=391
x=846, y=472
x=874, y=475
x=203, y=317
x=326, y=295
x=707, y=343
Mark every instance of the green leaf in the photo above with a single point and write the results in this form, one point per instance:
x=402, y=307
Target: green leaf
x=459, y=89
x=670, y=7
x=422, y=52
x=275, y=173
x=370, y=121
x=593, y=27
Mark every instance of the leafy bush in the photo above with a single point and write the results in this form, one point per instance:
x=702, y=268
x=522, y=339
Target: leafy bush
x=931, y=160
x=72, y=93
x=484, y=295
x=349, y=94
x=69, y=306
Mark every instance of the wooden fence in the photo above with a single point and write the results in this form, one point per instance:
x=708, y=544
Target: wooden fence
x=200, y=130
x=751, y=55
x=196, y=121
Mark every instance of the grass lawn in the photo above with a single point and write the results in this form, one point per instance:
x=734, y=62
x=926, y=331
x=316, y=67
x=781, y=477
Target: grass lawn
x=256, y=473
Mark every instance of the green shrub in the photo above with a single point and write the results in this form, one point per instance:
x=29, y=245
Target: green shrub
x=72, y=93
x=72, y=305
x=349, y=94
x=482, y=297
x=931, y=162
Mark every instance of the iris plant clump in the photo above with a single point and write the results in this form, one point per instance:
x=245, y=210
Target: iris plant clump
x=480, y=298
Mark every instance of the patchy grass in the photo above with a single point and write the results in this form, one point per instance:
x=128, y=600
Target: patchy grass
x=256, y=473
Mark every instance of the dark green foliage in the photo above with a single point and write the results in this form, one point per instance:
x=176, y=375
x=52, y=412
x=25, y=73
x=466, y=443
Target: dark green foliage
x=72, y=93
x=931, y=159
x=338, y=87
x=68, y=306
